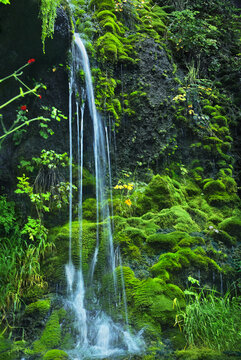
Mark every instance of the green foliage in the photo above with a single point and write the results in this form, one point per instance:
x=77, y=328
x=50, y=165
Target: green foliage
x=48, y=13
x=5, y=2
x=21, y=247
x=38, y=308
x=192, y=34
x=47, y=191
x=211, y=321
x=56, y=355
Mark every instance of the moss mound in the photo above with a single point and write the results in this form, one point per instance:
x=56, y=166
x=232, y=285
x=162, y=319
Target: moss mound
x=160, y=194
x=54, y=263
x=56, y=355
x=38, y=308
x=232, y=226
x=183, y=258
x=201, y=354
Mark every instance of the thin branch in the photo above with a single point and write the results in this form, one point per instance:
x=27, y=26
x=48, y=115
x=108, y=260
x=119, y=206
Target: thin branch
x=22, y=125
x=20, y=95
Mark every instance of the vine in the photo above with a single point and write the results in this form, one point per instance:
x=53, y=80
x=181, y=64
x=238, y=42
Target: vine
x=48, y=14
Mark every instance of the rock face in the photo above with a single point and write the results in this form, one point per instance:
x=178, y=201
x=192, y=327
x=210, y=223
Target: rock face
x=20, y=40
x=173, y=135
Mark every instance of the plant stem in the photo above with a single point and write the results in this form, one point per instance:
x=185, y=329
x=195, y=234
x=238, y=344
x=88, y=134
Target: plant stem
x=20, y=95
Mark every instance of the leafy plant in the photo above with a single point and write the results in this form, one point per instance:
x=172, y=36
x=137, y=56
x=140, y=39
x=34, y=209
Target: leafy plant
x=48, y=13
x=210, y=320
x=191, y=34
x=21, y=120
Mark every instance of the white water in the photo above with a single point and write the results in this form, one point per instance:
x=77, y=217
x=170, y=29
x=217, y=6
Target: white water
x=97, y=335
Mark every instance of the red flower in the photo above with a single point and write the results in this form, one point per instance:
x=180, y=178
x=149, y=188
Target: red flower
x=30, y=61
x=40, y=96
x=24, y=107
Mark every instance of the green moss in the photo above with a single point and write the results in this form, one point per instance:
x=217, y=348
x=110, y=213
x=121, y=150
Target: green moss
x=160, y=194
x=200, y=354
x=89, y=209
x=231, y=226
x=230, y=184
x=178, y=218
x=220, y=120
x=51, y=335
x=166, y=241
x=192, y=189
x=38, y=308
x=224, y=237
x=53, y=263
x=182, y=259
x=154, y=298
x=102, y=5
x=223, y=200
x=213, y=186
x=209, y=109
x=56, y=355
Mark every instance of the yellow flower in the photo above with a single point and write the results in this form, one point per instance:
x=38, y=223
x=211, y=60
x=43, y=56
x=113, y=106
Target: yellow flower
x=128, y=202
x=130, y=187
x=191, y=112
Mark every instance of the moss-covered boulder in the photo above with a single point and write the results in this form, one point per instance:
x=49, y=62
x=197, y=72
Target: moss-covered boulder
x=54, y=262
x=160, y=194
x=166, y=240
x=232, y=226
x=51, y=336
x=183, y=258
x=38, y=308
x=202, y=354
x=56, y=355
x=151, y=302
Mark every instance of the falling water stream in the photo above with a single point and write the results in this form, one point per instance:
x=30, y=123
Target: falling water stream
x=98, y=336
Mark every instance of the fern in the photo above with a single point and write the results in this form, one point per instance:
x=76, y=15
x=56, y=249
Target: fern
x=48, y=13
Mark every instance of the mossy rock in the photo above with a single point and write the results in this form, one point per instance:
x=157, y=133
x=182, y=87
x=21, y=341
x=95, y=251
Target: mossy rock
x=56, y=355
x=178, y=218
x=223, y=200
x=166, y=241
x=230, y=184
x=183, y=258
x=89, y=209
x=51, y=335
x=54, y=262
x=35, y=292
x=213, y=187
x=160, y=194
x=38, y=308
x=232, y=226
x=220, y=120
x=224, y=237
x=155, y=298
x=201, y=354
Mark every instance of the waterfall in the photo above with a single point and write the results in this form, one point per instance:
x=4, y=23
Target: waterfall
x=96, y=334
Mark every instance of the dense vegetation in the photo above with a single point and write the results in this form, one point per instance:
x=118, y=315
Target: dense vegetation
x=167, y=84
